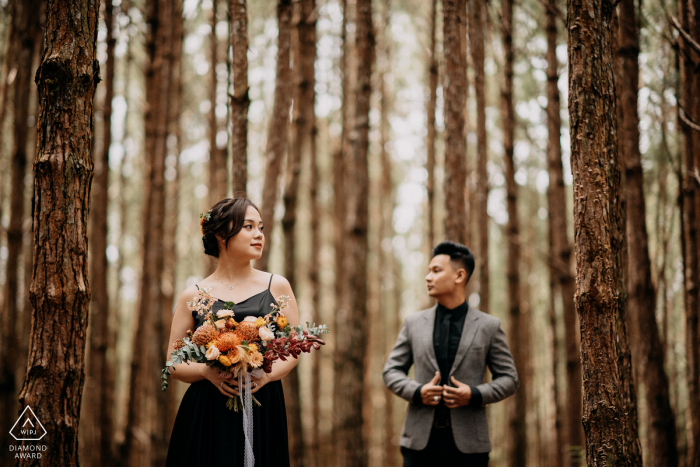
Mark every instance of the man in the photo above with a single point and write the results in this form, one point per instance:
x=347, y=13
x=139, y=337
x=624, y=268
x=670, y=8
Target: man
x=450, y=345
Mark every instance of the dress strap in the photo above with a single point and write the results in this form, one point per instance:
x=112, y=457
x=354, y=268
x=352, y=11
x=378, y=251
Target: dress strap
x=270, y=284
x=197, y=285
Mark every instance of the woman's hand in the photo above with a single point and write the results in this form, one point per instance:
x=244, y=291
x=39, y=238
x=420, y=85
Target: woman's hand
x=255, y=384
x=221, y=380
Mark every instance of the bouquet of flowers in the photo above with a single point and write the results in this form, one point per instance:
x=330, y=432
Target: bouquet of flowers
x=241, y=349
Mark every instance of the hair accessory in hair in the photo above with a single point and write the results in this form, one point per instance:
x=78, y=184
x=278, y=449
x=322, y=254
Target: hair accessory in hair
x=204, y=217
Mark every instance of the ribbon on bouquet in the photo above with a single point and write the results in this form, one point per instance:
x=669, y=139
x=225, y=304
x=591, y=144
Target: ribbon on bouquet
x=247, y=400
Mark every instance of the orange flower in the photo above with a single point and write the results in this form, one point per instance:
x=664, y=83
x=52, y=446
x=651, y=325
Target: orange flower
x=282, y=321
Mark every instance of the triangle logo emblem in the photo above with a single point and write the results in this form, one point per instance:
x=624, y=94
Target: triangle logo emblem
x=28, y=427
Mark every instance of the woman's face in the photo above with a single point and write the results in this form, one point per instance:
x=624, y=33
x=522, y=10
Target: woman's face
x=249, y=241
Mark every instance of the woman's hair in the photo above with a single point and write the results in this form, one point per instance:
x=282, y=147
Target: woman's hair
x=224, y=219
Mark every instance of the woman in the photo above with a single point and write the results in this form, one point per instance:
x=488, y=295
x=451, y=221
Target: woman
x=206, y=433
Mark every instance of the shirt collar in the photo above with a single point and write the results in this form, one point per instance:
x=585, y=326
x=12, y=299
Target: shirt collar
x=456, y=312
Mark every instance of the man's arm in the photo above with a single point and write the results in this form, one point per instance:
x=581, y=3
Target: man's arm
x=505, y=376
x=395, y=372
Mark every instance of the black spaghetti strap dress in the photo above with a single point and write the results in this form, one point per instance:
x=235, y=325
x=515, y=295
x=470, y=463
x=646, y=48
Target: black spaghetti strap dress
x=207, y=434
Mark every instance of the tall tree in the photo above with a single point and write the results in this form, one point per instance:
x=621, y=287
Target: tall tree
x=561, y=249
x=648, y=353
x=305, y=141
x=60, y=292
x=598, y=212
x=162, y=17
x=238, y=40
x=25, y=27
x=455, y=92
x=101, y=371
x=430, y=110
x=517, y=455
x=291, y=195
x=689, y=113
x=218, y=169
x=477, y=20
x=351, y=449
x=277, y=131
x=340, y=204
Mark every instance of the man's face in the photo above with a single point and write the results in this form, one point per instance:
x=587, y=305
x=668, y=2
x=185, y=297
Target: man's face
x=443, y=278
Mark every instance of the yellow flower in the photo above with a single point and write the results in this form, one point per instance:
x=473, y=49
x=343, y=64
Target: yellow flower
x=253, y=347
x=224, y=360
x=282, y=321
x=257, y=359
x=209, y=345
x=260, y=322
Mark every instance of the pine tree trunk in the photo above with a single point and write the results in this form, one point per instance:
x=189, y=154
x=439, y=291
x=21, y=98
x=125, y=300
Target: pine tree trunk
x=217, y=157
x=66, y=79
x=608, y=419
x=455, y=92
x=560, y=266
x=238, y=39
x=430, y=110
x=101, y=371
x=172, y=209
x=146, y=431
x=291, y=192
x=25, y=27
x=690, y=102
x=340, y=203
x=648, y=353
x=277, y=131
x=351, y=449
x=476, y=45
x=307, y=48
x=517, y=455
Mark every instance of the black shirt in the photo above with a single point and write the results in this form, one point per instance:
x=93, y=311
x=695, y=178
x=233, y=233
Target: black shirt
x=447, y=333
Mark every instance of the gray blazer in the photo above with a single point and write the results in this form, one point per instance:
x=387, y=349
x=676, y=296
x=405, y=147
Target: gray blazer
x=483, y=343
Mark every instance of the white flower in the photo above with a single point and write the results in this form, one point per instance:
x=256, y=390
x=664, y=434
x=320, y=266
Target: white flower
x=250, y=318
x=224, y=313
x=266, y=334
x=221, y=324
x=213, y=353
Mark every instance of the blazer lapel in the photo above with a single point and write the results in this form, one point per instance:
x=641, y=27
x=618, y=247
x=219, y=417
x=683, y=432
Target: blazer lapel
x=471, y=325
x=427, y=336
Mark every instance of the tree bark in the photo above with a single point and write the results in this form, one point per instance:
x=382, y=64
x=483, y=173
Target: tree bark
x=431, y=106
x=304, y=98
x=455, y=92
x=146, y=432
x=340, y=204
x=277, y=132
x=477, y=20
x=238, y=39
x=608, y=419
x=60, y=292
x=690, y=204
x=648, y=353
x=560, y=265
x=25, y=26
x=101, y=370
x=518, y=447
x=351, y=449
x=217, y=157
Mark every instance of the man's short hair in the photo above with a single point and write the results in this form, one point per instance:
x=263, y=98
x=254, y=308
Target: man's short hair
x=457, y=253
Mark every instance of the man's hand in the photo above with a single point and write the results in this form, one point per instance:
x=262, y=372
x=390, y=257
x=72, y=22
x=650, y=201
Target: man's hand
x=431, y=392
x=458, y=396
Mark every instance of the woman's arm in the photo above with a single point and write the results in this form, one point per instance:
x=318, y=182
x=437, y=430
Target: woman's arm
x=280, y=369
x=192, y=372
